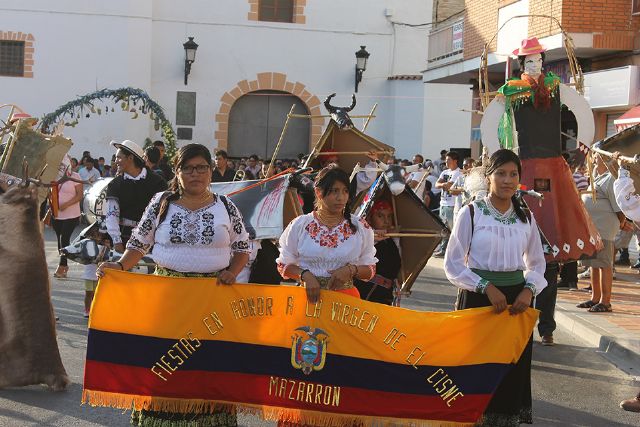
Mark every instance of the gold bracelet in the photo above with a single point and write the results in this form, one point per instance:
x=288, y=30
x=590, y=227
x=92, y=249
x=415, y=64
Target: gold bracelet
x=355, y=273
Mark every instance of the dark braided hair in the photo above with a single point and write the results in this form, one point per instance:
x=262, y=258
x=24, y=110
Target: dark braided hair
x=325, y=180
x=185, y=154
x=499, y=158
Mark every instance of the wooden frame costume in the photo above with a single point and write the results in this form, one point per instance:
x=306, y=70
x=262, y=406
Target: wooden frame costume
x=525, y=117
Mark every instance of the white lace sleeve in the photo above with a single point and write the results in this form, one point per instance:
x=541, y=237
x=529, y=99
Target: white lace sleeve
x=112, y=220
x=455, y=258
x=368, y=252
x=534, y=260
x=143, y=236
x=289, y=254
x=626, y=196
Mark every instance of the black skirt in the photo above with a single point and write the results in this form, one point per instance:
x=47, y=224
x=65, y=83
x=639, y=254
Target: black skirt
x=511, y=402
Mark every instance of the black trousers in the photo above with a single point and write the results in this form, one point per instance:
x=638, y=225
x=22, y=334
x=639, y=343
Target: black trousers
x=64, y=228
x=569, y=272
x=546, y=301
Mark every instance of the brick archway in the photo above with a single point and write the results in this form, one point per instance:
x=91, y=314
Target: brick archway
x=267, y=81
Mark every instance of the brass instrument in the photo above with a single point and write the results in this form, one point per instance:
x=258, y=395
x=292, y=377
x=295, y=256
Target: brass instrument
x=239, y=176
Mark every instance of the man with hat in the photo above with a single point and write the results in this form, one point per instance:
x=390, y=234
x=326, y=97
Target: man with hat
x=129, y=193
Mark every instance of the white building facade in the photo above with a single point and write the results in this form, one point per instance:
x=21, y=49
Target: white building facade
x=247, y=72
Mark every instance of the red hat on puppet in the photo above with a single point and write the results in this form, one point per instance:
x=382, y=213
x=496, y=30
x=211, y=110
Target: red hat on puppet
x=529, y=46
x=381, y=205
x=19, y=115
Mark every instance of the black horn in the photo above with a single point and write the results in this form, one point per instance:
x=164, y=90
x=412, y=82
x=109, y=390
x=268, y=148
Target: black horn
x=353, y=102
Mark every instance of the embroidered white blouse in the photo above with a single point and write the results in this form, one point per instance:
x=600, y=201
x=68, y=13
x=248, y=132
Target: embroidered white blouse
x=499, y=243
x=199, y=241
x=312, y=246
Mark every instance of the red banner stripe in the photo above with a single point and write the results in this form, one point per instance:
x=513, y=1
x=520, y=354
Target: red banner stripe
x=283, y=392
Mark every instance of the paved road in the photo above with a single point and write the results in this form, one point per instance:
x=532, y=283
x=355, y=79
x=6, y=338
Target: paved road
x=572, y=384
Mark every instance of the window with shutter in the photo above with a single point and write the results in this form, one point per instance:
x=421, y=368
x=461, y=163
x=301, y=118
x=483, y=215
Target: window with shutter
x=11, y=58
x=276, y=10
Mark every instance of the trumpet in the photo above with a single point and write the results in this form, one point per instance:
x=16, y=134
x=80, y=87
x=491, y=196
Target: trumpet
x=239, y=176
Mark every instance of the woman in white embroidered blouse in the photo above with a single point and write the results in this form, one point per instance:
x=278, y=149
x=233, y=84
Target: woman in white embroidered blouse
x=190, y=229
x=328, y=247
x=495, y=256
x=193, y=233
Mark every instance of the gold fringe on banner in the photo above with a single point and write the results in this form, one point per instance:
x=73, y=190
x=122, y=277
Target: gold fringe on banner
x=270, y=413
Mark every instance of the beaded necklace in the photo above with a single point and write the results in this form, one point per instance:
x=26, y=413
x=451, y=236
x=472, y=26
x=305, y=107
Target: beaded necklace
x=507, y=218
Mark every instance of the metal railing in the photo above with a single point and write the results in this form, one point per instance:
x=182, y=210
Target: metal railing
x=446, y=42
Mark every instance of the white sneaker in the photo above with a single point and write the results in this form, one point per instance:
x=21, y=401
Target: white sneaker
x=585, y=275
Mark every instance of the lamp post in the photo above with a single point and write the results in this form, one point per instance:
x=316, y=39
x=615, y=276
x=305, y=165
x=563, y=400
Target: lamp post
x=361, y=64
x=190, y=48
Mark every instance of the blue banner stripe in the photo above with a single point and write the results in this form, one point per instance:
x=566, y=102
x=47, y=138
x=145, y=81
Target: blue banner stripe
x=224, y=356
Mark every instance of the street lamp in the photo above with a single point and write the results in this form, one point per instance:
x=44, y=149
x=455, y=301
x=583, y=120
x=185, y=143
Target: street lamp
x=361, y=64
x=190, y=48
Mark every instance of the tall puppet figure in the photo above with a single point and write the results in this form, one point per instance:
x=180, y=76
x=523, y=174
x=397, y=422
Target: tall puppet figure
x=525, y=117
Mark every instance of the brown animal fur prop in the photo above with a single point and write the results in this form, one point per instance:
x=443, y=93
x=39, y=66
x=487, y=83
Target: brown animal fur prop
x=28, y=348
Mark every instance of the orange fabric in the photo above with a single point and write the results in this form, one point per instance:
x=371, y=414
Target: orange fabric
x=562, y=216
x=519, y=83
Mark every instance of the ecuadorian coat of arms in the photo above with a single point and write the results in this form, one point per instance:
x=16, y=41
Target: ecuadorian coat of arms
x=309, y=349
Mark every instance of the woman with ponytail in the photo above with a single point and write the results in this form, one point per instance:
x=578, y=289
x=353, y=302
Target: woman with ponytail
x=495, y=256
x=329, y=247
x=193, y=233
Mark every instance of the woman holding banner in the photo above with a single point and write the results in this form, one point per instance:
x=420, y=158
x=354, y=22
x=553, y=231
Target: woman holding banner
x=193, y=233
x=329, y=247
x=495, y=256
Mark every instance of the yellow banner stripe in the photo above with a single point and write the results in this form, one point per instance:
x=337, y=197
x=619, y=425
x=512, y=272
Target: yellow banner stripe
x=269, y=315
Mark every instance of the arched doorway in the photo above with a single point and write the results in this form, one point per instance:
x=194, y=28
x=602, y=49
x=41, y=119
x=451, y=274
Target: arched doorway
x=255, y=124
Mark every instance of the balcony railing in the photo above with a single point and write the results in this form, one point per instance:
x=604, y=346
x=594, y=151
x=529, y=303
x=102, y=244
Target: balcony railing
x=446, y=42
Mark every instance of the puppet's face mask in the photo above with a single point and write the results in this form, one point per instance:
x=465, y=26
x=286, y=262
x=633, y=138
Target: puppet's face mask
x=533, y=64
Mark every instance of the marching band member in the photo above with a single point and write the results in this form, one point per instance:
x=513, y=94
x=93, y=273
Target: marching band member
x=330, y=247
x=629, y=201
x=495, y=256
x=625, y=192
x=127, y=196
x=194, y=233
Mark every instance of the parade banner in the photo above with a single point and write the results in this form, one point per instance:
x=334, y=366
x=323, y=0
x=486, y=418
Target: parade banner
x=185, y=345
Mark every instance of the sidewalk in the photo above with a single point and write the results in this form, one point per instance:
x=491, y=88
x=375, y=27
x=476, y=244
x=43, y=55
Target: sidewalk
x=616, y=334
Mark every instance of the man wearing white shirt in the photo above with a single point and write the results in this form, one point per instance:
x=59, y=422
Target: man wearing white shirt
x=88, y=173
x=415, y=180
x=364, y=179
x=441, y=163
x=445, y=182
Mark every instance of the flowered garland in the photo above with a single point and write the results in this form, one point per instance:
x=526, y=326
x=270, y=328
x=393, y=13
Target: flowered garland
x=130, y=99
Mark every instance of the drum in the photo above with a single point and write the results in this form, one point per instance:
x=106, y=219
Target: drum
x=93, y=203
